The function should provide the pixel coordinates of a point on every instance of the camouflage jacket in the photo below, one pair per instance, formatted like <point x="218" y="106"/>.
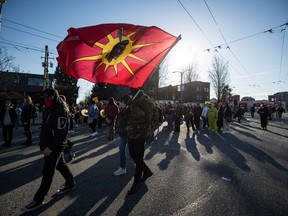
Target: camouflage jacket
<point x="139" y="117"/>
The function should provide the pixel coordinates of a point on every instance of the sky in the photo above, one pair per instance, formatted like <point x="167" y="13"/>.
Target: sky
<point x="257" y="58"/>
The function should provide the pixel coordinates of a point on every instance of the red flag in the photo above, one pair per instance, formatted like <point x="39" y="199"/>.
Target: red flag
<point x="120" y="54"/>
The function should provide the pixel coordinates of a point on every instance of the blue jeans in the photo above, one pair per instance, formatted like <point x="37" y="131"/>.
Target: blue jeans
<point x="122" y="146"/>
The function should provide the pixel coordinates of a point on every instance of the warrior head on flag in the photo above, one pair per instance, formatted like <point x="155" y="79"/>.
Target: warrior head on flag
<point x="119" y="54"/>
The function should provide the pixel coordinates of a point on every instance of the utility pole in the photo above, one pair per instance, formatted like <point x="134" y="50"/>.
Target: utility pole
<point x="45" y="64"/>
<point x="1" y="5"/>
<point x="181" y="86"/>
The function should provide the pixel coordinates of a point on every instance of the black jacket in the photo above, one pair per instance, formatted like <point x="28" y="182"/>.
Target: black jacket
<point x="12" y="114"/>
<point x="27" y="113"/>
<point x="55" y="125"/>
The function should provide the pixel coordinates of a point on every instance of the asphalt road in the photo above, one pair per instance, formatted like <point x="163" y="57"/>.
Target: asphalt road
<point x="242" y="173"/>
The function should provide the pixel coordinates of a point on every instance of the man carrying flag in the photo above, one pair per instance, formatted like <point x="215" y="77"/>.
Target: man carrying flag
<point x="124" y="55"/>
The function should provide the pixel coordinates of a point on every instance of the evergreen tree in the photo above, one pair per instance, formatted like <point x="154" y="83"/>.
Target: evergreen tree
<point x="66" y="85"/>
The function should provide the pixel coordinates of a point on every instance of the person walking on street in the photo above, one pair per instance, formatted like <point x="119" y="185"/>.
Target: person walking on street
<point x="93" y="113"/>
<point x="220" y="117"/>
<point x="189" y="117"/>
<point x="204" y="116"/>
<point x="53" y="140"/>
<point x="18" y="112"/>
<point x="169" y="111"/>
<point x="121" y="130"/>
<point x="212" y="115"/>
<point x="264" y="114"/>
<point x="26" y="118"/>
<point x="8" y="118"/>
<point x="177" y="117"/>
<point x="280" y="110"/>
<point x="72" y="114"/>
<point x="140" y="117"/>
<point x="197" y="115"/>
<point x="252" y="110"/>
<point x="227" y="118"/>
<point x="111" y="111"/>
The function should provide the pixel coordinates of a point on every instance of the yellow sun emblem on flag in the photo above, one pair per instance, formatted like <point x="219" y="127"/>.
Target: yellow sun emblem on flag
<point x="116" y="51"/>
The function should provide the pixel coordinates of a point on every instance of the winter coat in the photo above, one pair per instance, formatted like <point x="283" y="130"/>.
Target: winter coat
<point x="54" y="129"/>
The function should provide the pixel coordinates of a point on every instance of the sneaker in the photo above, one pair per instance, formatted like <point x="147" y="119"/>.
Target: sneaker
<point x="135" y="187"/>
<point x="65" y="189"/>
<point x="71" y="131"/>
<point x="147" y="175"/>
<point x="32" y="205"/>
<point x="120" y="171"/>
<point x="94" y="134"/>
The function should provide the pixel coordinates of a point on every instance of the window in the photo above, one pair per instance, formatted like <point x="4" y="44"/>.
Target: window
<point x="35" y="82"/>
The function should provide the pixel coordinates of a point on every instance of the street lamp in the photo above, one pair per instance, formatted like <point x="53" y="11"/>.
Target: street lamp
<point x="181" y="90"/>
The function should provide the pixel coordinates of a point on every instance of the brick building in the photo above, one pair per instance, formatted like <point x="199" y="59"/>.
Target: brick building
<point x="195" y="91"/>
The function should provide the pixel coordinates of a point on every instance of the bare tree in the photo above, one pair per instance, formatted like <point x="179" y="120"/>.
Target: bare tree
<point x="219" y="76"/>
<point x="6" y="60"/>
<point x="191" y="73"/>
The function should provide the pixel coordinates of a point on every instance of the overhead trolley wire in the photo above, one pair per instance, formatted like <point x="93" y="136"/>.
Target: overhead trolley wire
<point x="195" y="23"/>
<point x="208" y="38"/>
<point x="253" y="35"/>
<point x="227" y="47"/>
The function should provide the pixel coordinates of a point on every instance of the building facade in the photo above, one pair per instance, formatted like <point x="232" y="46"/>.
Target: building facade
<point x="281" y="97"/>
<point x="23" y="84"/>
<point x="194" y="92"/>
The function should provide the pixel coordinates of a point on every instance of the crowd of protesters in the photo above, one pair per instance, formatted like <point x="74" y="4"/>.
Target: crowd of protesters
<point x="196" y="116"/>
<point x="125" y="118"/>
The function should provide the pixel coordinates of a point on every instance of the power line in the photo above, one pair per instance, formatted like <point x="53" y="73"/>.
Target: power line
<point x="32" y="28"/>
<point x="30" y="33"/>
<point x="15" y="44"/>
<point x="216" y="22"/>
<point x="19" y="50"/>
<point x="21" y="45"/>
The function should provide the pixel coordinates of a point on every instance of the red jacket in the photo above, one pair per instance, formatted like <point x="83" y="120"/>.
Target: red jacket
<point x="111" y="110"/>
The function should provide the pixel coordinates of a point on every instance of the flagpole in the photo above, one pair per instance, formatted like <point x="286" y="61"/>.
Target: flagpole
<point x="136" y="95"/>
